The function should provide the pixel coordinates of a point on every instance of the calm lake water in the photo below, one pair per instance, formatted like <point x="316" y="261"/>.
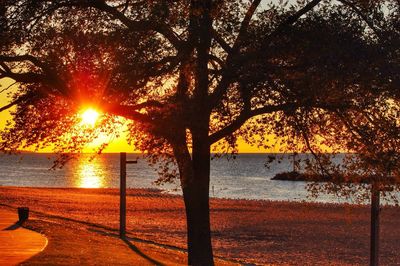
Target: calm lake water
<point x="245" y="177"/>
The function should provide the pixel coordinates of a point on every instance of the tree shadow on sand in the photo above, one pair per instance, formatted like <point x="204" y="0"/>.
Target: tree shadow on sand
<point x="140" y="253"/>
<point x="14" y="226"/>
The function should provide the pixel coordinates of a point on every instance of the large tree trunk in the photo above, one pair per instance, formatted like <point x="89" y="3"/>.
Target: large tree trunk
<point x="196" y="197"/>
<point x="195" y="182"/>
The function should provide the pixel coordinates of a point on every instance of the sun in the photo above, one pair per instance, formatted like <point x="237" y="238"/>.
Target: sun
<point x="89" y="117"/>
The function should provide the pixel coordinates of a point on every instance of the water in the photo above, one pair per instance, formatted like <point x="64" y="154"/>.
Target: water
<point x="245" y="177"/>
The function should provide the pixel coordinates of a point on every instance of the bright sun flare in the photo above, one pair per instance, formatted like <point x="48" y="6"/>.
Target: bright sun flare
<point x="89" y="117"/>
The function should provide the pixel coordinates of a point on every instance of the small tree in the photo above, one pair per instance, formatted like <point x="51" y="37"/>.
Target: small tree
<point x="192" y="74"/>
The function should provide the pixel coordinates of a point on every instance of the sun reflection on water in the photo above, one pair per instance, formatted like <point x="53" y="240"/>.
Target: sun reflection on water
<point x="90" y="174"/>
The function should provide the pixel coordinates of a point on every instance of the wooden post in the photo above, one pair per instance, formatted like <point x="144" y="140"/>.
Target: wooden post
<point x="375" y="210"/>
<point x="122" y="196"/>
<point x="23" y="214"/>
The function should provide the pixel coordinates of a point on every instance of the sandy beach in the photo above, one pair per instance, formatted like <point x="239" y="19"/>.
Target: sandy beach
<point x="246" y="232"/>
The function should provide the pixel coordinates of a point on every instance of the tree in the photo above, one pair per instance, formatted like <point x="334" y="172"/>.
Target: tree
<point x="190" y="74"/>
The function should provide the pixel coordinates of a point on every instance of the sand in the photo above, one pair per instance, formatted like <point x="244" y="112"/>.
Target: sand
<point x="248" y="232"/>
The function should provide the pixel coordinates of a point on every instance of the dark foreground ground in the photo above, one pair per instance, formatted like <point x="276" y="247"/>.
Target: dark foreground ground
<point x="248" y="232"/>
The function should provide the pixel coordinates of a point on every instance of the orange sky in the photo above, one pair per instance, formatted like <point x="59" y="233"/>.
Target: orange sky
<point x="117" y="145"/>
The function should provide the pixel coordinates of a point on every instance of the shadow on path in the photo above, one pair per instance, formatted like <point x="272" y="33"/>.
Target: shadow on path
<point x="14" y="226"/>
<point x="136" y="239"/>
<point x="140" y="253"/>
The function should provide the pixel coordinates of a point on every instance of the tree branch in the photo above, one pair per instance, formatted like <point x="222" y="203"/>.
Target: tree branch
<point x="360" y="14"/>
<point x="5" y="67"/>
<point x="245" y="24"/>
<point x="292" y="19"/>
<point x="9" y="86"/>
<point x="24" y="77"/>
<point x="21" y="58"/>
<point x="143" y="25"/>
<point x="19" y="100"/>
<point x="233" y="59"/>
<point x="243" y="117"/>
<point x="129" y="112"/>
<point x="8" y="106"/>
<point x="150" y="103"/>
<point x="316" y="157"/>
<point x="221" y="41"/>
<point x="48" y="77"/>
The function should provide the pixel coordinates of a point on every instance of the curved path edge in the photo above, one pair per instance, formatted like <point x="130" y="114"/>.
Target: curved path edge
<point x="17" y="243"/>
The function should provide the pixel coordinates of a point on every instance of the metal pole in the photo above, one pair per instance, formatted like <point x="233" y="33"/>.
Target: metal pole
<point x="122" y="196"/>
<point x="375" y="202"/>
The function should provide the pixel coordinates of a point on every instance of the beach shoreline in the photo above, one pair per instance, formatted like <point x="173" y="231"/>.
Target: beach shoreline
<point x="248" y="231"/>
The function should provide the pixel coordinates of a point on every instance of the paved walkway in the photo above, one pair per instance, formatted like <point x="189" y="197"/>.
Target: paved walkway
<point x="17" y="244"/>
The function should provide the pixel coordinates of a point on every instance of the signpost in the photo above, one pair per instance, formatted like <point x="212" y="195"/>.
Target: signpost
<point x="122" y="194"/>
<point x="375" y="210"/>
